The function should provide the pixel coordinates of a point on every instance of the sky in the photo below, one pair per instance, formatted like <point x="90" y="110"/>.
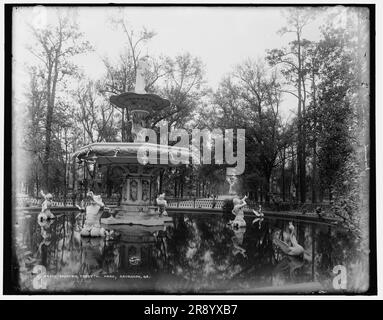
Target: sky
<point x="221" y="37"/>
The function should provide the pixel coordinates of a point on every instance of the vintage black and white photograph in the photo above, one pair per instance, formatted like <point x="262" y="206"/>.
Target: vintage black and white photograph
<point x="191" y="149"/>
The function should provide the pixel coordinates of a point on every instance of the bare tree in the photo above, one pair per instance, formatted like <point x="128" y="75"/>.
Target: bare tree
<point x="95" y="114"/>
<point x="183" y="85"/>
<point x="293" y="64"/>
<point x="55" y="45"/>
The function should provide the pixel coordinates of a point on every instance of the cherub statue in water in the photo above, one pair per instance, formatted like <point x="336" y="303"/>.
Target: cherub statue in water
<point x="162" y="204"/>
<point x="45" y="208"/>
<point x="291" y="247"/>
<point x="239" y="204"/>
<point x="93" y="211"/>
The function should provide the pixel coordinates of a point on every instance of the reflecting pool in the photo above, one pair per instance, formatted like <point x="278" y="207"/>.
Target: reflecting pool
<point x="196" y="253"/>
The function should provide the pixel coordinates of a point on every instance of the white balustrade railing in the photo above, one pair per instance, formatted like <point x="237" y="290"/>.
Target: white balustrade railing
<point x="177" y="203"/>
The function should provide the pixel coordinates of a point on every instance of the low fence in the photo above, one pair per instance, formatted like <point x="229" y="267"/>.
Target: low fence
<point x="195" y="203"/>
<point x="59" y="201"/>
<point x="251" y="204"/>
<point x="182" y="203"/>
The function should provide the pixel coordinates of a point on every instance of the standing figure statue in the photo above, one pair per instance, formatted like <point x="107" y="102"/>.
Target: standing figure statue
<point x="138" y="118"/>
<point x="142" y="68"/>
<point x="162" y="204"/>
<point x="232" y="180"/>
<point x="45" y="208"/>
<point x="239" y="220"/>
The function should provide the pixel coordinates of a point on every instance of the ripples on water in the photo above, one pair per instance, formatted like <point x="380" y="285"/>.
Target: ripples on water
<point x="194" y="254"/>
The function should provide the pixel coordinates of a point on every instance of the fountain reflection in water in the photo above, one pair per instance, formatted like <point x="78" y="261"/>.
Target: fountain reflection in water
<point x="197" y="253"/>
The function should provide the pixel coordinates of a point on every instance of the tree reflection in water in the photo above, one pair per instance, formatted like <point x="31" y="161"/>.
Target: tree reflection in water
<point x="196" y="253"/>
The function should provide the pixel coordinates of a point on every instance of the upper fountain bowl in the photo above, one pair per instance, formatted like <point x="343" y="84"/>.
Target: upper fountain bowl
<point x="135" y="101"/>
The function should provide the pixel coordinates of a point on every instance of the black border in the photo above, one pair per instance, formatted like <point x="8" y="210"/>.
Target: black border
<point x="373" y="289"/>
<point x="8" y="275"/>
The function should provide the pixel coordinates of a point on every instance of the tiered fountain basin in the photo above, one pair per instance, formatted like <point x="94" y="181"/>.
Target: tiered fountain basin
<point x="148" y="102"/>
<point x="139" y="179"/>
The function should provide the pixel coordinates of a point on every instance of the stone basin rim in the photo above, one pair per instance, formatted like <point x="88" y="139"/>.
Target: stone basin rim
<point x="127" y="147"/>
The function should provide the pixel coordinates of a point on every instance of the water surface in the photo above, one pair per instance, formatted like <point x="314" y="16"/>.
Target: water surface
<point x="193" y="254"/>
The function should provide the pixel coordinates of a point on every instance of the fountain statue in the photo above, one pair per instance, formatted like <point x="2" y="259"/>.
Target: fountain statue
<point x="133" y="172"/>
<point x="162" y="203"/>
<point x="291" y="247"/>
<point x="142" y="68"/>
<point x="92" y="227"/>
<point x="232" y="180"/>
<point x="45" y="208"/>
<point x="139" y="115"/>
<point x="239" y="204"/>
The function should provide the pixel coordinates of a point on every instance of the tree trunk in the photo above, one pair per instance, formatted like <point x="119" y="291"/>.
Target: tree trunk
<point x="283" y="175"/>
<point x="314" y="164"/>
<point x="182" y="187"/>
<point x="48" y="126"/>
<point x="301" y="148"/>
<point x="292" y="178"/>
<point x="52" y="83"/>
<point x="37" y="184"/>
<point x="314" y="184"/>
<point x="161" y="180"/>
<point x="267" y="191"/>
<point x="74" y="178"/>
<point x="66" y="169"/>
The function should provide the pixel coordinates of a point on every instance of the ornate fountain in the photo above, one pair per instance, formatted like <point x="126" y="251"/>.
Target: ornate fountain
<point x="139" y="177"/>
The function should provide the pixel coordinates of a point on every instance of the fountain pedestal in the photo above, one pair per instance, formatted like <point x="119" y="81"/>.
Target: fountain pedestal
<point x="138" y="204"/>
<point x="140" y="182"/>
